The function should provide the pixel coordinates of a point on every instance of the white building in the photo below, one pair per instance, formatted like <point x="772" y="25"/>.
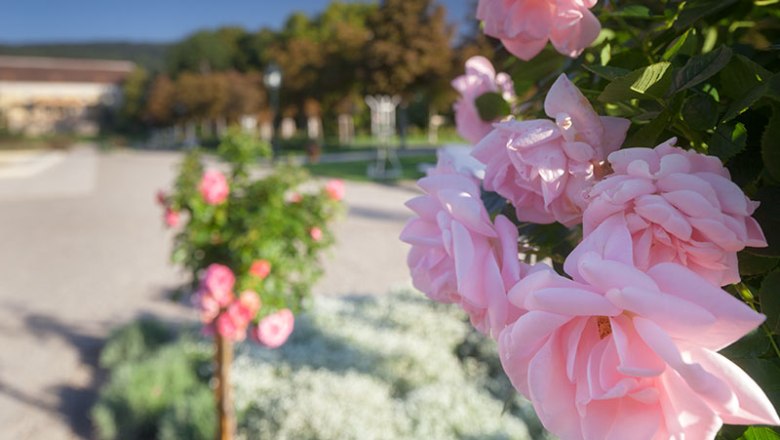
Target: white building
<point x="54" y="95"/>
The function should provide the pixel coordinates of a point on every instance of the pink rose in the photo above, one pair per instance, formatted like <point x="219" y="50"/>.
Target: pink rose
<point x="524" y="26"/>
<point x="480" y="78"/>
<point x="232" y="323"/>
<point x="621" y="353"/>
<point x="335" y="189"/>
<point x="315" y="233"/>
<point x="248" y="304"/>
<point x="172" y="217"/>
<point x="680" y="206"/>
<point x="274" y="329"/>
<point x="457" y="254"/>
<point x="545" y="168"/>
<point x="260" y="269"/>
<point x="214" y="187"/>
<point x="219" y="281"/>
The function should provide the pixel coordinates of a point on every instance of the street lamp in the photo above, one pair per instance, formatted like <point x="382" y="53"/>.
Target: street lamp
<point x="272" y="78"/>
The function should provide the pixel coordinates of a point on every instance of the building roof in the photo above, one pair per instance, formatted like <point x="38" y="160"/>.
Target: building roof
<point x="44" y="69"/>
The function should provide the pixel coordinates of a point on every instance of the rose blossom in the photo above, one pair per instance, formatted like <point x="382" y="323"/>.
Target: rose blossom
<point x="524" y="26"/>
<point x="315" y="233"/>
<point x="335" y="189"/>
<point x="219" y="281"/>
<point x="480" y="78"/>
<point x="545" y="168"/>
<point x="260" y="269"/>
<point x="172" y="217"/>
<point x="457" y="253"/>
<point x="680" y="206"/>
<point x="214" y="187"/>
<point x="623" y="353"/>
<point x="274" y="329"/>
<point x="233" y="321"/>
<point x="248" y="303"/>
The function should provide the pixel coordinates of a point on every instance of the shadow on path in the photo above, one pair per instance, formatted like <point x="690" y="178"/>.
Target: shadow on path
<point x="73" y="402"/>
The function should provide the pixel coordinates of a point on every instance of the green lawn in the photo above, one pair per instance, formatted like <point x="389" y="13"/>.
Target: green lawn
<point x="358" y="170"/>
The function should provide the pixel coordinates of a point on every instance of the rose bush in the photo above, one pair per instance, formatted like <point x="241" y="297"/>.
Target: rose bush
<point x="658" y="316"/>
<point x="252" y="251"/>
<point x="251" y="248"/>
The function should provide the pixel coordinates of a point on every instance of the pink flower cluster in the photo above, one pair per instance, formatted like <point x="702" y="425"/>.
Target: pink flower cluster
<point x="480" y="78"/>
<point x="681" y="207"/>
<point x="230" y="317"/>
<point x="525" y="26"/>
<point x="627" y="345"/>
<point x="458" y="254"/>
<point x="621" y="352"/>
<point x="545" y="168"/>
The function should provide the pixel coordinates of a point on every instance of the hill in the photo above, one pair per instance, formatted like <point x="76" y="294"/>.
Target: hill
<point x="148" y="55"/>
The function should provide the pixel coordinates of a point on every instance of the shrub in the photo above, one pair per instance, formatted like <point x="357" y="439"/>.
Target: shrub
<point x="390" y="367"/>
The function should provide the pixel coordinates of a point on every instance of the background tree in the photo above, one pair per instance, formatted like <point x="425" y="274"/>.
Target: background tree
<point x="205" y="51"/>
<point x="134" y="97"/>
<point x="410" y="48"/>
<point x="159" y="104"/>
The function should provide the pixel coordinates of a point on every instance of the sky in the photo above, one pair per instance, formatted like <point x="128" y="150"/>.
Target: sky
<point x="36" y="21"/>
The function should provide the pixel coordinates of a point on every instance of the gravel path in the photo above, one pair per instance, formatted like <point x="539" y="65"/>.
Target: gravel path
<point x="84" y="250"/>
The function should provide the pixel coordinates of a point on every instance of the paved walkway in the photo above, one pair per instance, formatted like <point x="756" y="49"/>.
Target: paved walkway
<point x="84" y="250"/>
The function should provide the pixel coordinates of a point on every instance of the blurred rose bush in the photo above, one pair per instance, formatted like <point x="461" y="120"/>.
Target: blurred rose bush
<point x="249" y="240"/>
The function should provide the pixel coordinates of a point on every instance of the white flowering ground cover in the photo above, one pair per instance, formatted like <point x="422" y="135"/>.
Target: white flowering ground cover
<point x="390" y="367"/>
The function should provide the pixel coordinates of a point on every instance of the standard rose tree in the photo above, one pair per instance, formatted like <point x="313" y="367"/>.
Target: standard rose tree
<point x="617" y="232"/>
<point x="251" y="247"/>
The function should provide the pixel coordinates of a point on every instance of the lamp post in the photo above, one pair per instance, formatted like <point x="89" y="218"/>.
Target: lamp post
<point x="272" y="78"/>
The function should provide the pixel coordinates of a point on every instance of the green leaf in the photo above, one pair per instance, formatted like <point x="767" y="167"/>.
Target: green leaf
<point x="649" y="82"/>
<point x="547" y="63"/>
<point x="768" y="216"/>
<point x="700" y="112"/>
<point x="700" y="68"/>
<point x="752" y="345"/>
<point x="633" y="11"/>
<point x="647" y="135"/>
<point x="760" y="433"/>
<point x="769" y="296"/>
<point x="769" y="88"/>
<point x="740" y="76"/>
<point x="651" y="77"/>
<point x="750" y="265"/>
<point x="684" y="44"/>
<point x="695" y="10"/>
<point x="770" y="145"/>
<point x="728" y="140"/>
<point x="608" y="72"/>
<point x="492" y="106"/>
